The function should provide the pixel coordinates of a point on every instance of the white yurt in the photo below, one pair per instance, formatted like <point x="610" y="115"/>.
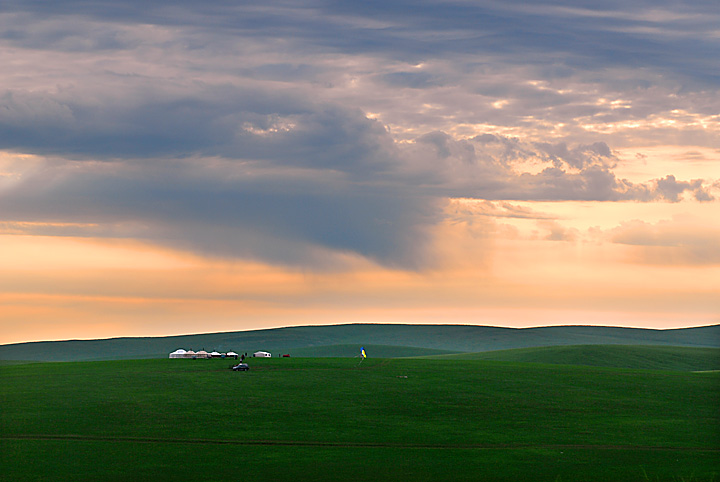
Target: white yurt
<point x="231" y="354"/>
<point x="202" y="354"/>
<point x="179" y="353"/>
<point x="190" y="354"/>
<point x="215" y="354"/>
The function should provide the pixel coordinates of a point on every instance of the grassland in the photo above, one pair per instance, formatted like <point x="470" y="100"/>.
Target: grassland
<point x="616" y="356"/>
<point x="378" y="351"/>
<point x="310" y="339"/>
<point x="329" y="419"/>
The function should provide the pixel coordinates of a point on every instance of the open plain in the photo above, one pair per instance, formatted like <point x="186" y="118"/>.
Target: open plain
<point x="334" y="419"/>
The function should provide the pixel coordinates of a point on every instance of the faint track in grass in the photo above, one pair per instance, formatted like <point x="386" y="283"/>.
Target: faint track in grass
<point x="295" y="443"/>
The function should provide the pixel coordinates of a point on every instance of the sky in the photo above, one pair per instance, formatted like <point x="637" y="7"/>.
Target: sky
<point x="190" y="167"/>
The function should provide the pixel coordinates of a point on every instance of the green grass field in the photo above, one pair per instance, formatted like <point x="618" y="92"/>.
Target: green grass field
<point x="392" y="341"/>
<point x="329" y="419"/>
<point x="616" y="356"/>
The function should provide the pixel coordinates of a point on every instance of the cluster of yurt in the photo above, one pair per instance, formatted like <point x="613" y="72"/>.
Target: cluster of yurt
<point x="180" y="353"/>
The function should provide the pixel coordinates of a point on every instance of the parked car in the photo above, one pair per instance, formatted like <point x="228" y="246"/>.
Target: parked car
<point x="241" y="367"/>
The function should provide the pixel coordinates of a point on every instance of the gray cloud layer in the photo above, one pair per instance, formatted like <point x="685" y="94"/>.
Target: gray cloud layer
<point x="243" y="130"/>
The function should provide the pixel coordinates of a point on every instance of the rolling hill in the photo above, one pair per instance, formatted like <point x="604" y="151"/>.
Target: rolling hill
<point x="316" y="340"/>
<point x="613" y="356"/>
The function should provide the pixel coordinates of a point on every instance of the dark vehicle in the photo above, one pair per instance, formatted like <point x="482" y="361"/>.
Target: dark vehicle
<point x="241" y="367"/>
<point x="286" y="356"/>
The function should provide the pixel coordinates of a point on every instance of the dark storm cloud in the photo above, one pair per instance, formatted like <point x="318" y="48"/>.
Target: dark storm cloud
<point x="232" y="211"/>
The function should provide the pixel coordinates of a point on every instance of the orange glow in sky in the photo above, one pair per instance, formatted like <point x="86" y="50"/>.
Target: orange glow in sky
<point x="207" y="168"/>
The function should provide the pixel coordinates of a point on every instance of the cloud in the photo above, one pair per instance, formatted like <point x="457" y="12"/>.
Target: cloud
<point x="671" y="189"/>
<point x="495" y="167"/>
<point x="469" y="208"/>
<point x="681" y="240"/>
<point x="235" y="123"/>
<point x="582" y="75"/>
<point x="557" y="232"/>
<point x="413" y="80"/>
<point x="226" y="210"/>
<point x="295" y="203"/>
<point x="294" y="133"/>
<point x="579" y="157"/>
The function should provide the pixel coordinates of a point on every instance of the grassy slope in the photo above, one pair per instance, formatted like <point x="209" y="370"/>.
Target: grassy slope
<point x="374" y="351"/>
<point x="618" y="356"/>
<point x="457" y="420"/>
<point x="455" y="338"/>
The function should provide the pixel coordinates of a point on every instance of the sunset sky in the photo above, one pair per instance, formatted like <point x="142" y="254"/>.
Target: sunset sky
<point x="202" y="166"/>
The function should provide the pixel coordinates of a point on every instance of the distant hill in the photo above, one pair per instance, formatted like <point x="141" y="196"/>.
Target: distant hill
<point x="375" y="351"/>
<point x="310" y="339"/>
<point x="613" y="356"/>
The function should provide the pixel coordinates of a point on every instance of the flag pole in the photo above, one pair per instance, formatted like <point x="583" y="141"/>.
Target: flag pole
<point x="362" y="355"/>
